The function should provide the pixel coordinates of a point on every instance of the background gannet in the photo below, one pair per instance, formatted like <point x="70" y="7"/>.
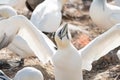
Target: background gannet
<point x="27" y="73"/>
<point x="17" y="4"/>
<point x="37" y="41"/>
<point x="66" y="61"/>
<point x="103" y="14"/>
<point x="47" y="15"/>
<point x="22" y="50"/>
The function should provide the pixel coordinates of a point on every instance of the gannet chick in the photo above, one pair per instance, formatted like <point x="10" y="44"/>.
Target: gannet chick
<point x="66" y="61"/>
<point x="103" y="14"/>
<point x="3" y="76"/>
<point x="29" y="73"/>
<point x="17" y="4"/>
<point x="47" y="16"/>
<point x="40" y="44"/>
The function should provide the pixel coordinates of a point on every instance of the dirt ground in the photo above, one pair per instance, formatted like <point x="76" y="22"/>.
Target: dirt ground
<point x="106" y="68"/>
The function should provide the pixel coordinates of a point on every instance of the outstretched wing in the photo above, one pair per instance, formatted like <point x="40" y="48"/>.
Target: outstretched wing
<point x="100" y="46"/>
<point x="36" y="41"/>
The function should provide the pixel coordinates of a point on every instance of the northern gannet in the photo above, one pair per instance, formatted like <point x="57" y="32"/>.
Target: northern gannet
<point x="40" y="44"/>
<point x="103" y="14"/>
<point x="47" y="16"/>
<point x="27" y="73"/>
<point x="23" y="50"/>
<point x="67" y="61"/>
<point x="17" y="4"/>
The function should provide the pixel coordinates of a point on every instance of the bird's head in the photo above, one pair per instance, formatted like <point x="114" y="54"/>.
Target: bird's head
<point x="62" y="36"/>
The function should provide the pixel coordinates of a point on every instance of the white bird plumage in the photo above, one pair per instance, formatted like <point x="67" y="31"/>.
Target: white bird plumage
<point x="27" y="73"/>
<point x="103" y="14"/>
<point x="7" y="11"/>
<point x="47" y="15"/>
<point x="17" y="4"/>
<point x="66" y="61"/>
<point x="41" y="45"/>
<point x="15" y="46"/>
<point x="75" y="60"/>
<point x="100" y="46"/>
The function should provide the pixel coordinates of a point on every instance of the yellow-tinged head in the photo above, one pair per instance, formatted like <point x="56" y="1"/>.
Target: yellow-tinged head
<point x="62" y="37"/>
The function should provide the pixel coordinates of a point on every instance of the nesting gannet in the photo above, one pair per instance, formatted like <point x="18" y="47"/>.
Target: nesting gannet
<point x="67" y="61"/>
<point x="103" y="14"/>
<point x="40" y="44"/>
<point x="27" y="73"/>
<point x="47" y="15"/>
<point x="17" y="4"/>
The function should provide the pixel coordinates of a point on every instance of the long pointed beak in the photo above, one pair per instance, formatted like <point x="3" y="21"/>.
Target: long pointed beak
<point x="64" y="31"/>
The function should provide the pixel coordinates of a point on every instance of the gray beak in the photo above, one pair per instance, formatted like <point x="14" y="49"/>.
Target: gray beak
<point x="63" y="32"/>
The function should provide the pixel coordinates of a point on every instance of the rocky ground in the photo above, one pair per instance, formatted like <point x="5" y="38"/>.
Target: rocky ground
<point x="106" y="68"/>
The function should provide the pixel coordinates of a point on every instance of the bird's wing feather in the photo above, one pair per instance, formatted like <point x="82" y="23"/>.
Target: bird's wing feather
<point x="20" y="47"/>
<point x="37" y="13"/>
<point x="100" y="46"/>
<point x="36" y="41"/>
<point x="31" y="35"/>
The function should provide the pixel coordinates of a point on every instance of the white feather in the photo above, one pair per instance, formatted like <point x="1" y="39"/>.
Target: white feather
<point x="47" y="15"/>
<point x="35" y="39"/>
<point x="66" y="60"/>
<point x="103" y="14"/>
<point x="26" y="73"/>
<point x="29" y="73"/>
<point x="17" y="4"/>
<point x="100" y="46"/>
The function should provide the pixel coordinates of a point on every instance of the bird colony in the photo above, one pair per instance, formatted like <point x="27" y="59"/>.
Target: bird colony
<point x="28" y="37"/>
